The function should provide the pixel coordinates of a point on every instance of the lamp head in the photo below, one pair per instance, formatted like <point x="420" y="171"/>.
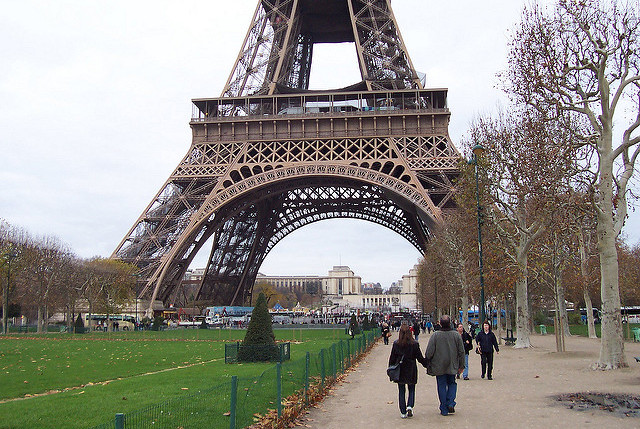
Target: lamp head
<point x="478" y="150"/>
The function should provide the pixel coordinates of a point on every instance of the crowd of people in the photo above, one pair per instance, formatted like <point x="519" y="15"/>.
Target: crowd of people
<point x="446" y="358"/>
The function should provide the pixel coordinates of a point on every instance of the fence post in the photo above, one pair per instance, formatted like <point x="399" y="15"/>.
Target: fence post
<point x="341" y="357"/>
<point x="234" y="400"/>
<point x="322" y="365"/>
<point x="306" y="380"/>
<point x="119" y="421"/>
<point x="348" y="353"/>
<point x="279" y="387"/>
<point x="333" y="360"/>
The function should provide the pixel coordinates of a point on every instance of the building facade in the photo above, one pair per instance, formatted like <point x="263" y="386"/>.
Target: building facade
<point x="342" y="290"/>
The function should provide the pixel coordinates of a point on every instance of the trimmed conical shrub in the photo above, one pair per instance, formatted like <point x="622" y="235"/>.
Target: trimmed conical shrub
<point x="78" y="325"/>
<point x="204" y="325"/>
<point x="366" y="325"/>
<point x="259" y="342"/>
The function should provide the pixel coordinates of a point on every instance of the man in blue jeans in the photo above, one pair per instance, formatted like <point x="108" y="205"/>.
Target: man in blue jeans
<point x="445" y="356"/>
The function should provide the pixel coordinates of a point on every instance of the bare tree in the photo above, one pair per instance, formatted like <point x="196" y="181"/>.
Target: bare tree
<point x="553" y="256"/>
<point x="584" y="57"/>
<point x="12" y="242"/>
<point x="46" y="261"/>
<point x="109" y="285"/>
<point x="527" y="163"/>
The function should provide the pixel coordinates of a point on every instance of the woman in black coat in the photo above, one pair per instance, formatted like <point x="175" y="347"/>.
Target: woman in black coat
<point x="487" y="342"/>
<point x="407" y="349"/>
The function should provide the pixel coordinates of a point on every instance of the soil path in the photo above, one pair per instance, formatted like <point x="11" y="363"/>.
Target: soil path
<point x="520" y="395"/>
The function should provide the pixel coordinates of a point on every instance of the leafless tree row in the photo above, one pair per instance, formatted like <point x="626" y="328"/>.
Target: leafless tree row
<point x="41" y="276"/>
<point x="556" y="179"/>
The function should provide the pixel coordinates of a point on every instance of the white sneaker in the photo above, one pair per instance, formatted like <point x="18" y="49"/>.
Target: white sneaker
<point x="409" y="412"/>
<point x="403" y="416"/>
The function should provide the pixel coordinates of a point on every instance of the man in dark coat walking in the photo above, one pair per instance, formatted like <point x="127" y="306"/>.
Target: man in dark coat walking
<point x="445" y="356"/>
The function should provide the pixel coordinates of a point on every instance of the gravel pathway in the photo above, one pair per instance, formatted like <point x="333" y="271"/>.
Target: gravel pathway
<point x="520" y="395"/>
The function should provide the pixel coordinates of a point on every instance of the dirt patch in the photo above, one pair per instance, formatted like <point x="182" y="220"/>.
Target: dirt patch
<point x="622" y="405"/>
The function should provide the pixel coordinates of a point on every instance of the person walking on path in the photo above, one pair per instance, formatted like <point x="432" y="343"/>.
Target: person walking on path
<point x="405" y="348"/>
<point x="445" y="357"/>
<point x="416" y="329"/>
<point x="467" y="341"/>
<point x="386" y="333"/>
<point x="487" y="341"/>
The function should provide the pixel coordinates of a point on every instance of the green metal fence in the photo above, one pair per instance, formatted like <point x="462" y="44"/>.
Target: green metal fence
<point x="236" y="403"/>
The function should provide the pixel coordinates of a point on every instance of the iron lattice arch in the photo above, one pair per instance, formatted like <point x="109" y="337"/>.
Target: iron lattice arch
<point x="269" y="156"/>
<point x="244" y="240"/>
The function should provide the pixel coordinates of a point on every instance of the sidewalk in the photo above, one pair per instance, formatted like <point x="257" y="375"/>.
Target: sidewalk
<point x="520" y="395"/>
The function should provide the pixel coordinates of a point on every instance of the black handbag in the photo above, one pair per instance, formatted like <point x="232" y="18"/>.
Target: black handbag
<point x="394" y="370"/>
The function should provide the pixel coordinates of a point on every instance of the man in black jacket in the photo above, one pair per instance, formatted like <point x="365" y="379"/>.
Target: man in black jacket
<point x="487" y="342"/>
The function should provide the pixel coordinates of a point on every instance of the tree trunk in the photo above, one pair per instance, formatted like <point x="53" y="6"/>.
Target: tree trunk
<point x="523" y="317"/>
<point x="585" y="286"/>
<point x="558" y="327"/>
<point x="591" y="326"/>
<point x="465" y="308"/>
<point x="45" y="322"/>
<point x="612" y="340"/>
<point x="499" y="324"/>
<point x="5" y="306"/>
<point x="562" y="307"/>
<point x="507" y="315"/>
<point x="39" y="322"/>
<point x="90" y="321"/>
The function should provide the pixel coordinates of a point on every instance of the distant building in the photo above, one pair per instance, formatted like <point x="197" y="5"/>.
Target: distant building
<point x="341" y="289"/>
<point x="343" y="293"/>
<point x="396" y="288"/>
<point x="313" y="285"/>
<point x="342" y="281"/>
<point x="371" y="289"/>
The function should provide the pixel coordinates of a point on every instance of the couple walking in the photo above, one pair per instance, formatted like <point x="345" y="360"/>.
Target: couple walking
<point x="444" y="359"/>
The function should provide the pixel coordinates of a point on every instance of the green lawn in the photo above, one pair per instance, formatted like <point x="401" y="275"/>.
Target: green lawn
<point x="104" y="372"/>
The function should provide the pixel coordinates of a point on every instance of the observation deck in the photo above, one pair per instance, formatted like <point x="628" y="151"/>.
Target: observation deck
<point x="406" y="112"/>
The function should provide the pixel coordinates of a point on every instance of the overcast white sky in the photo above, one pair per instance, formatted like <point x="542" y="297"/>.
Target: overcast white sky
<point x="95" y="108"/>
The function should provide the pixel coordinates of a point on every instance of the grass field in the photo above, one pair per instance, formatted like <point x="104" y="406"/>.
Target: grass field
<point x="91" y="377"/>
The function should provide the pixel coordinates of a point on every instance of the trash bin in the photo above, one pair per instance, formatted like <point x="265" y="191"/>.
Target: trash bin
<point x="543" y="330"/>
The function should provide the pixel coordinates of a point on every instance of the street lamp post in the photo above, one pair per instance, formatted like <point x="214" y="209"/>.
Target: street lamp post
<point x="477" y="151"/>
<point x="10" y="256"/>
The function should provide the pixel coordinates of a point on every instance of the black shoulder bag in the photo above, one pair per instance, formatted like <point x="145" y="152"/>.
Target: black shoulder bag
<point x="394" y="370"/>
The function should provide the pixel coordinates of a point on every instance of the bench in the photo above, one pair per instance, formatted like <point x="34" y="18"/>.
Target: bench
<point x="509" y="340"/>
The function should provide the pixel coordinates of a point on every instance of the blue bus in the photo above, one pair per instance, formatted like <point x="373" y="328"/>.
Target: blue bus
<point x="473" y="315"/>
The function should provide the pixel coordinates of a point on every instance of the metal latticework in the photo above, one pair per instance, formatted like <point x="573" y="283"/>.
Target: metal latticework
<point x="269" y="157"/>
<point x="277" y="51"/>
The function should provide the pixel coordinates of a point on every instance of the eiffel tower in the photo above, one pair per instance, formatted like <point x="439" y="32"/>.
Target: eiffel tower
<point x="271" y="156"/>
